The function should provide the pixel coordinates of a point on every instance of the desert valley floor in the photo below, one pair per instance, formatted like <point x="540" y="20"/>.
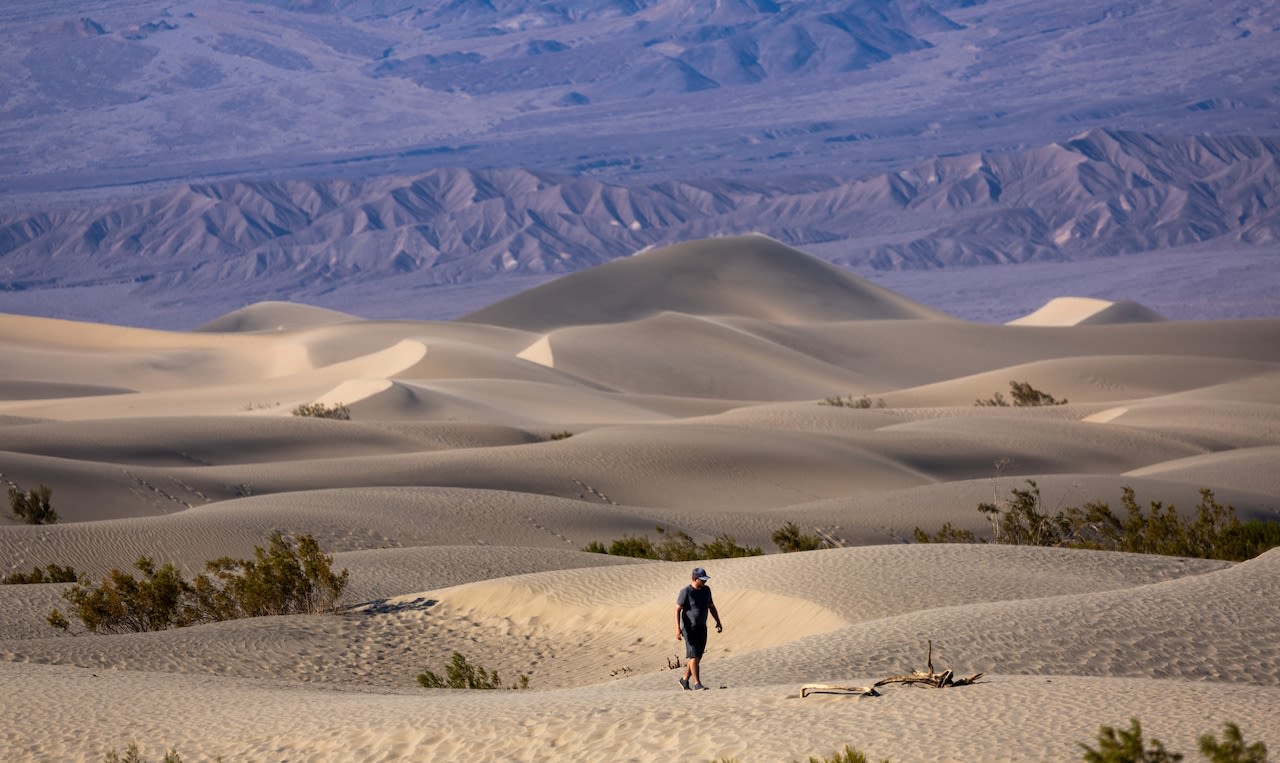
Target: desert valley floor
<point x="692" y="381"/>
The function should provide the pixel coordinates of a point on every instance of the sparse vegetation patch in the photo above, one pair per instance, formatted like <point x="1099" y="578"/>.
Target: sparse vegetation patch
<point x="789" y="538"/>
<point x="1117" y="745"/>
<point x="848" y="401"/>
<point x="460" y="674"/>
<point x="1024" y="396"/>
<point x="1213" y="533"/>
<point x="674" y="546"/>
<point x="32" y="506"/>
<point x="285" y="578"/>
<point x="133" y="755"/>
<point x="322" y="411"/>
<point x="51" y="573"/>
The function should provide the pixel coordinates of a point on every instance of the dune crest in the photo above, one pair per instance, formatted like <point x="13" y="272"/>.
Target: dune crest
<point x="539" y="352"/>
<point x="1081" y="311"/>
<point x="745" y="276"/>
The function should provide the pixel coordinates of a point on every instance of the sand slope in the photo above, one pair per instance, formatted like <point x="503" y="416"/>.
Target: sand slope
<point x="721" y="387"/>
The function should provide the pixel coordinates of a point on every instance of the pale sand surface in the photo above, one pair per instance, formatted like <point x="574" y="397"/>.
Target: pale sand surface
<point x="690" y="379"/>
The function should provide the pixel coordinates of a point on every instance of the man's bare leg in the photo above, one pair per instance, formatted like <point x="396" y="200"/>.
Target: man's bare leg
<point x="691" y="670"/>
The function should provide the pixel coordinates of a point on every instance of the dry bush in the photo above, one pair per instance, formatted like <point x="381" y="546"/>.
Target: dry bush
<point x="1213" y="532"/>
<point x="282" y="579"/>
<point x="336" y="411"/>
<point x="674" y="546"/>
<point x="1024" y="396"/>
<point x="788" y="538"/>
<point x="460" y="674"/>
<point x="32" y="506"/>
<point x="51" y="573"/>
<point x="849" y="402"/>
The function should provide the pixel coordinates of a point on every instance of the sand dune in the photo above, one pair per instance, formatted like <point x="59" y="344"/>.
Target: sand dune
<point x="747" y="276"/>
<point x="1080" y="311"/>
<point x="721" y="387"/>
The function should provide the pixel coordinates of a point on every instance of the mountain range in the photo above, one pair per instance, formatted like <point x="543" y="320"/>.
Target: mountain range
<point x="186" y="158"/>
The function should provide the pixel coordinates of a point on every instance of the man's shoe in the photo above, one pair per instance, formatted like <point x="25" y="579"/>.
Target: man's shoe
<point x="684" y="684"/>
<point x="696" y="686"/>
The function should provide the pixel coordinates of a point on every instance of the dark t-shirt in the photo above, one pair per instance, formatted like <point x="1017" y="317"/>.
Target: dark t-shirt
<point x="695" y="604"/>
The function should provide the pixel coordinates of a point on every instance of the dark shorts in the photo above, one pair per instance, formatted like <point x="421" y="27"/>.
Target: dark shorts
<point x="695" y="641"/>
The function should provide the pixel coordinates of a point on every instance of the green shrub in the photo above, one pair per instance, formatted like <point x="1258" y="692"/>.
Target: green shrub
<point x="125" y="604"/>
<point x="1127" y="746"/>
<point x="32" y="506"/>
<point x="849" y="402"/>
<point x="460" y="674"/>
<point x="1248" y="539"/>
<point x="947" y="534"/>
<point x="1232" y="749"/>
<point x="133" y="755"/>
<point x="726" y="547"/>
<point x="848" y="755"/>
<point x="788" y="538"/>
<point x="637" y="547"/>
<point x="1213" y="533"/>
<point x="322" y="411"/>
<point x="674" y="546"/>
<point x="282" y="579"/>
<point x="52" y="573"/>
<point x="1024" y="396"/>
<point x="677" y="546"/>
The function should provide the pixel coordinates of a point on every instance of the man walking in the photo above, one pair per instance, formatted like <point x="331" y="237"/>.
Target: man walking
<point x="693" y="603"/>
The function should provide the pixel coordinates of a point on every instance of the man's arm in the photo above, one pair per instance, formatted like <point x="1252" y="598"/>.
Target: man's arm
<point x="712" y="609"/>
<point x="679" y="629"/>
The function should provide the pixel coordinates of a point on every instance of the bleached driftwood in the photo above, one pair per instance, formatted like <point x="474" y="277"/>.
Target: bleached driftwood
<point x="917" y="678"/>
<point x="862" y="691"/>
<point x="929" y="678"/>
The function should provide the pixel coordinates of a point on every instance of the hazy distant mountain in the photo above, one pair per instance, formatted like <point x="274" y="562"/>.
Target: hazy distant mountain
<point x="1102" y="193"/>
<point x="182" y="152"/>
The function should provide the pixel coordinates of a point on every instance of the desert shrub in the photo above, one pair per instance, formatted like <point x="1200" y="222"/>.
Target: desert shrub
<point x="560" y="435"/>
<point x="788" y="538"/>
<point x="947" y="534"/>
<point x="1123" y="746"/>
<point x="125" y="604"/>
<point x="1213" y="532"/>
<point x="674" y="546"/>
<point x="51" y="573"/>
<point x="850" y="402"/>
<point x="32" y="506"/>
<point x="847" y="755"/>
<point x="460" y="674"/>
<point x="282" y="579"/>
<point x="322" y="411"/>
<point x="1024" y="396"/>
<point x="637" y="547"/>
<point x="133" y="755"/>
<point x="677" y="546"/>
<point x="1127" y="746"/>
<point x="726" y="547"/>
<point x="1024" y="523"/>
<point x="1248" y="539"/>
<point x="1232" y="749"/>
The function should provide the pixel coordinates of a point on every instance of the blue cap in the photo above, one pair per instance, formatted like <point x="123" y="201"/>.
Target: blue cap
<point x="700" y="573"/>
